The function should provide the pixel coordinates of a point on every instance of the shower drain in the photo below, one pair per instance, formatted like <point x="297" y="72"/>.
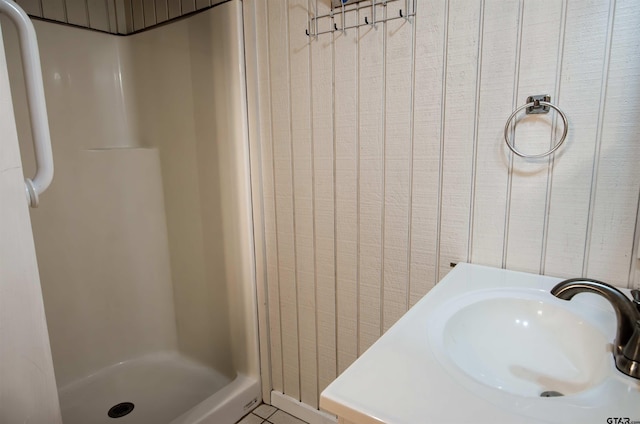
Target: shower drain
<point x="120" y="410"/>
<point x="550" y="393"/>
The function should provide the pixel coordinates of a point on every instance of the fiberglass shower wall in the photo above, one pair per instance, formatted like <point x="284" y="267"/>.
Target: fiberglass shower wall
<point x="142" y="241"/>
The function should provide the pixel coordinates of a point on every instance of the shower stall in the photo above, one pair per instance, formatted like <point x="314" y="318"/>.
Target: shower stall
<point x="144" y="240"/>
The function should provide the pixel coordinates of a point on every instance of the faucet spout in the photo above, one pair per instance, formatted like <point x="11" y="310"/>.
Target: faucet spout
<point x="626" y="349"/>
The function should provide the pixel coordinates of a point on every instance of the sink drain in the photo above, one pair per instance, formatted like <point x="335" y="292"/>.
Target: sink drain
<point x="550" y="393"/>
<point x="120" y="410"/>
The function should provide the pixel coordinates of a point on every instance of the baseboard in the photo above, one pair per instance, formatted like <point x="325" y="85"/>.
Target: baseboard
<point x="301" y="410"/>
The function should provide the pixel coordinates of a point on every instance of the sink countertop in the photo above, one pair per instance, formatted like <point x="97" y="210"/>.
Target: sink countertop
<point x="400" y="380"/>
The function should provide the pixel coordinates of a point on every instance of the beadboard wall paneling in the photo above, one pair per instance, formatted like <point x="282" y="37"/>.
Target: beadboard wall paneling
<point x="283" y="165"/>
<point x="345" y="92"/>
<point x="614" y="189"/>
<point x="398" y="140"/>
<point x="114" y="16"/>
<point x="383" y="161"/>
<point x="540" y="52"/>
<point x="300" y="73"/>
<point x="322" y="116"/>
<point x="498" y="62"/>
<point x="428" y="142"/>
<point x="371" y="131"/>
<point x="463" y="42"/>
<point x="583" y="74"/>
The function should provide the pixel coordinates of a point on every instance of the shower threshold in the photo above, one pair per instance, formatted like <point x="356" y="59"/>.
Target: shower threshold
<point x="153" y="389"/>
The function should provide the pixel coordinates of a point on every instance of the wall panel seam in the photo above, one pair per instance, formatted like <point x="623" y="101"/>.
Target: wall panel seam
<point x="313" y="207"/>
<point x="335" y="211"/>
<point x="106" y="10"/>
<point x="596" y="156"/>
<point x="383" y="163"/>
<point x="443" y="103"/>
<point x="66" y="13"/>
<point x="551" y="162"/>
<point x="411" y="160"/>
<point x="634" y="248"/>
<point x="357" y="111"/>
<point x="474" y="162"/>
<point x="257" y="158"/>
<point x="514" y="103"/>
<point x="144" y="15"/>
<point x="275" y="197"/>
<point x="86" y="12"/>
<point x="293" y="195"/>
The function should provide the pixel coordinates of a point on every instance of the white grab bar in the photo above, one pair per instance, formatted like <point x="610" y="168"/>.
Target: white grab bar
<point x="35" y="99"/>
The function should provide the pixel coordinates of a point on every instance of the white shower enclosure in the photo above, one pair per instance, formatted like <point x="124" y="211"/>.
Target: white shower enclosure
<point x="144" y="240"/>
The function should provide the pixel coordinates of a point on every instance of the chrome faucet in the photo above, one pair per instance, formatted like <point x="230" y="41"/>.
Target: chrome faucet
<point x="626" y="350"/>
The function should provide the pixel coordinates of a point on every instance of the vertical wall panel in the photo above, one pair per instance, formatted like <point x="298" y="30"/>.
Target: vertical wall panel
<point x="346" y="186"/>
<point x="123" y="19"/>
<point x="175" y="8"/>
<point x="55" y="10"/>
<point x="137" y="12"/>
<point x="188" y="6"/>
<point x="112" y="13"/>
<point x="499" y="55"/>
<point x="269" y="199"/>
<point x="77" y="12"/>
<point x="98" y="11"/>
<point x="256" y="56"/>
<point x="459" y="109"/>
<point x="397" y="167"/>
<point x="538" y="67"/>
<point x="429" y="61"/>
<point x="618" y="173"/>
<point x="370" y="113"/>
<point x="299" y="55"/>
<point x="162" y="10"/>
<point x="281" y="130"/>
<point x="582" y="72"/>
<point x="32" y="7"/>
<point x="324" y="219"/>
<point x="149" y="13"/>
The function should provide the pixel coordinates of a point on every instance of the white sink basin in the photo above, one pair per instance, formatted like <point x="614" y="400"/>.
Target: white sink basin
<point x="482" y="347"/>
<point x="522" y="343"/>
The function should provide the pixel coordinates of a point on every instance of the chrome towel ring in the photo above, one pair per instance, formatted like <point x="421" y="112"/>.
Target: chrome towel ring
<point x="536" y="104"/>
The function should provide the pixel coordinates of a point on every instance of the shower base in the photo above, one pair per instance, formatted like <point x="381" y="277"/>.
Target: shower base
<point x="161" y="386"/>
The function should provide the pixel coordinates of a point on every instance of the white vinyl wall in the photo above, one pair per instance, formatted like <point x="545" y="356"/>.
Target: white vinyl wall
<point x="382" y="161"/>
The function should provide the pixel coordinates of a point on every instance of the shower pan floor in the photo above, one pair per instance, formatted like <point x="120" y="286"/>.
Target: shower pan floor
<point x="161" y="387"/>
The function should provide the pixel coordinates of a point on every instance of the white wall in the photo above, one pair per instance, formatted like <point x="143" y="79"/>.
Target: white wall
<point x="27" y="383"/>
<point x="383" y="161"/>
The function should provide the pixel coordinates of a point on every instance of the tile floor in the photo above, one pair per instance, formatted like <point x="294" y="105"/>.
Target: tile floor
<point x="266" y="414"/>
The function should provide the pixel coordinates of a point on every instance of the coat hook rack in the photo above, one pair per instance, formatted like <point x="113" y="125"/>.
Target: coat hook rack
<point x="349" y="7"/>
